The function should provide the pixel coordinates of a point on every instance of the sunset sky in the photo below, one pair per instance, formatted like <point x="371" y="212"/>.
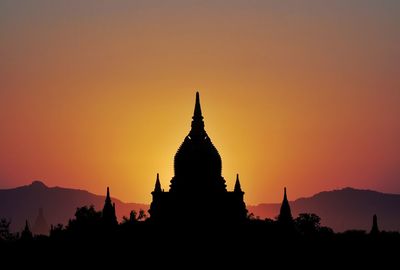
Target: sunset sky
<point x="302" y="94"/>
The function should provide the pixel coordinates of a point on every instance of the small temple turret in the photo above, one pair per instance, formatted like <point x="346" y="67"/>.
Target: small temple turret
<point x="26" y="233"/>
<point x="285" y="215"/>
<point x="237" y="188"/>
<point x="108" y="214"/>
<point x="157" y="187"/>
<point x="40" y="226"/>
<point x="375" y="228"/>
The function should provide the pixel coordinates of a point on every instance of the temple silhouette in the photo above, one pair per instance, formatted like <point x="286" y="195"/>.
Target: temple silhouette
<point x="285" y="218"/>
<point x="197" y="211"/>
<point x="197" y="192"/>
<point x="108" y="213"/>
<point x="375" y="228"/>
<point x="40" y="226"/>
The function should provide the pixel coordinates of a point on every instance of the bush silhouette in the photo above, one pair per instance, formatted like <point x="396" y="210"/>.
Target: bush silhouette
<point x="5" y="234"/>
<point x="308" y="223"/>
<point x="87" y="222"/>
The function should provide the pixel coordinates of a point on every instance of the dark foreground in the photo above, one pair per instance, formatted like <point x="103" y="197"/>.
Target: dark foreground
<point x="247" y="245"/>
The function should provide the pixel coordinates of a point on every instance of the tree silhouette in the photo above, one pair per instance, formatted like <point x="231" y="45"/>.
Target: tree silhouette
<point x="134" y="217"/>
<point x="308" y="223"/>
<point x="142" y="215"/>
<point x="5" y="234"/>
<point x="131" y="220"/>
<point x="87" y="222"/>
<point x="57" y="231"/>
<point x="251" y="216"/>
<point x="131" y="224"/>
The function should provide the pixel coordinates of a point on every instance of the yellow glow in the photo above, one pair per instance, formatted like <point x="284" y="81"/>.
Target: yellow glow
<point x="304" y="98"/>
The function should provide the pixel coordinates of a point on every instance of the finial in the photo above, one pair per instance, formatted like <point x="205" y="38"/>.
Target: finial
<point x="197" y="131"/>
<point x="108" y="192"/>
<point x="197" y="108"/>
<point x="284" y="194"/>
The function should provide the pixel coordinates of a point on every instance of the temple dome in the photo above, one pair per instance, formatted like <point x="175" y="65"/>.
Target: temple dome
<point x="197" y="163"/>
<point x="197" y="157"/>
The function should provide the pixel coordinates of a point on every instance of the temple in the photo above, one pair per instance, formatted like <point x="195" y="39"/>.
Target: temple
<point x="285" y="218"/>
<point x="198" y="192"/>
<point x="108" y="214"/>
<point x="40" y="226"/>
<point x="375" y="228"/>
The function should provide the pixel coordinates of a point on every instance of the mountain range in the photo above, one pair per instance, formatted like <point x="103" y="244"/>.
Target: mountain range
<point x="58" y="204"/>
<point x="341" y="209"/>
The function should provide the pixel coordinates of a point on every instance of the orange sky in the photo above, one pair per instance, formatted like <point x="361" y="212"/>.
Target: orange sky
<point x="300" y="94"/>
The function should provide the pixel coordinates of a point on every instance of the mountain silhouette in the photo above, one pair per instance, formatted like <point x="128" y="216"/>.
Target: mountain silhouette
<point x="58" y="204"/>
<point x="343" y="209"/>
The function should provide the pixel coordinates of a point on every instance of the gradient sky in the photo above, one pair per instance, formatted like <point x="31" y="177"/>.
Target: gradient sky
<point x="303" y="94"/>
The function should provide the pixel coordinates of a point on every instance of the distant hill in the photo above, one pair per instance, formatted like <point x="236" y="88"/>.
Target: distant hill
<point x="343" y="209"/>
<point x="58" y="204"/>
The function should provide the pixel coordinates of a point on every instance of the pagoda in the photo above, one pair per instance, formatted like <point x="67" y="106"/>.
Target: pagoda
<point x="197" y="193"/>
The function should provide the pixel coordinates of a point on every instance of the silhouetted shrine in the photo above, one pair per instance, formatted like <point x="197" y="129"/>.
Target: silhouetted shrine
<point x="375" y="228"/>
<point x="40" y="226"/>
<point x="198" y="191"/>
<point x="285" y="218"/>
<point x="108" y="213"/>
<point x="285" y="214"/>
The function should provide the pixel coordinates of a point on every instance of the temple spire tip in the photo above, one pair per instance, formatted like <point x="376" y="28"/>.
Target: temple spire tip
<point x="197" y="107"/>
<point x="237" y="188"/>
<point x="157" y="187"/>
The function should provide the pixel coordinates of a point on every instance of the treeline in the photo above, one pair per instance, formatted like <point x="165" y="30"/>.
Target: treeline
<point x="90" y="238"/>
<point x="90" y="224"/>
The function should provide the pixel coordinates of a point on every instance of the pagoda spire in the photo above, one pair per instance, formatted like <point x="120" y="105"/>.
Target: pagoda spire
<point x="285" y="214"/>
<point x="157" y="187"/>
<point x="375" y="229"/>
<point x="237" y="188"/>
<point x="197" y="130"/>
<point x="108" y="214"/>
<point x="108" y="199"/>
<point x="26" y="234"/>
<point x="284" y="194"/>
<point x="197" y="108"/>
